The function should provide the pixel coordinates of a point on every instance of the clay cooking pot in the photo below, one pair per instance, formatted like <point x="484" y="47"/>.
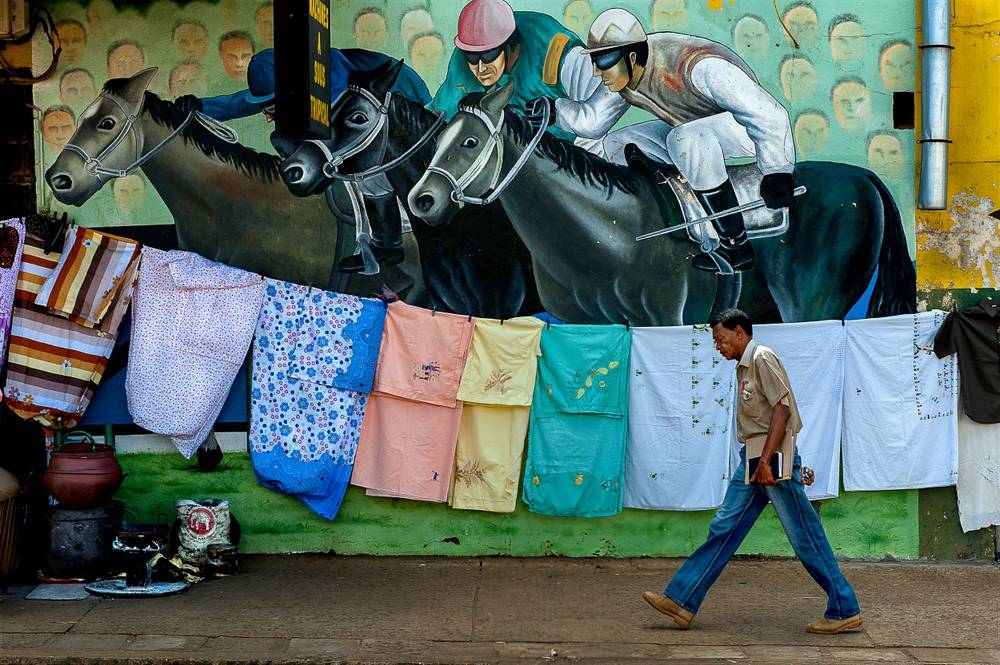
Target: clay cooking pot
<point x="83" y="475"/>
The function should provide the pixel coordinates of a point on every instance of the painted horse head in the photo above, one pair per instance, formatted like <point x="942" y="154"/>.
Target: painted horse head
<point x="469" y="158"/>
<point x="359" y="127"/>
<point x="108" y="141"/>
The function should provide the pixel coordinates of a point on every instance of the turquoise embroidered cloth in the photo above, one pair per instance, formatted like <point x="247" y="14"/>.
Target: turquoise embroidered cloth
<point x="576" y="437"/>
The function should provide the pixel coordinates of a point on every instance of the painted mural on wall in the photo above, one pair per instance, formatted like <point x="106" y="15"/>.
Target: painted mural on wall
<point x="622" y="119"/>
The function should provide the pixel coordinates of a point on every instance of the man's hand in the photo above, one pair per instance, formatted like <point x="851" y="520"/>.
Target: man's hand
<point x="187" y="103"/>
<point x="777" y="190"/>
<point x="763" y="475"/>
<point x="535" y="111"/>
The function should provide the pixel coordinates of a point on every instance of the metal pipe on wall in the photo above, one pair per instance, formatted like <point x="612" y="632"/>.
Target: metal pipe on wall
<point x="935" y="79"/>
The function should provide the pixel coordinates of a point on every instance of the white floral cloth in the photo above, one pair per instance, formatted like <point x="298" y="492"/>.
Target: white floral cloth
<point x="192" y="324"/>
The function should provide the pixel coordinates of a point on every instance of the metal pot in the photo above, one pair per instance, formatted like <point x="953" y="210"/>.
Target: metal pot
<point x="82" y="475"/>
<point x="80" y="541"/>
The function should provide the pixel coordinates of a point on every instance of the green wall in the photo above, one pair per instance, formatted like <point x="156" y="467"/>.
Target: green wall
<point x="859" y="524"/>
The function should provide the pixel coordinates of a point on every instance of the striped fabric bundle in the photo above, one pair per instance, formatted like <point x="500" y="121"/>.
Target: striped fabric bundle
<point x="88" y="275"/>
<point x="55" y="364"/>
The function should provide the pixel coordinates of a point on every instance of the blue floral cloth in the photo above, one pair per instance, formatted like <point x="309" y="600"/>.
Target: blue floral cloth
<point x="314" y="361"/>
<point x="576" y="437"/>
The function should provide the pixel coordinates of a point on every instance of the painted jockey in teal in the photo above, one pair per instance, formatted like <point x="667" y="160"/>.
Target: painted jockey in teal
<point x="496" y="45"/>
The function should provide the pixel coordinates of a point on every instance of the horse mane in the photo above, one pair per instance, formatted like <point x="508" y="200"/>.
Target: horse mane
<point x="586" y="166"/>
<point x="407" y="116"/>
<point x="255" y="164"/>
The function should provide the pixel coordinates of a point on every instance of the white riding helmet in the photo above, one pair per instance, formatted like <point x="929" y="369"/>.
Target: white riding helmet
<point x="614" y="28"/>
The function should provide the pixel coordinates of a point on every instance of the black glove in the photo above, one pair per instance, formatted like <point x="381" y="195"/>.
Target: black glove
<point x="776" y="190"/>
<point x="187" y="103"/>
<point x="535" y="111"/>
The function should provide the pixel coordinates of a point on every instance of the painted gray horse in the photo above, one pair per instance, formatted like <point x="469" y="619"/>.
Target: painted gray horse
<point x="476" y="266"/>
<point x="579" y="216"/>
<point x="227" y="200"/>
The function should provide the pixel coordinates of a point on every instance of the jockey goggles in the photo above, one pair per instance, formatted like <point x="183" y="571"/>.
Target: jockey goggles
<point x="605" y="60"/>
<point x="475" y="57"/>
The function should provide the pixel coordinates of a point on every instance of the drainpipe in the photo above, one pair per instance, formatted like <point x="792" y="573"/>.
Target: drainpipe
<point x="935" y="75"/>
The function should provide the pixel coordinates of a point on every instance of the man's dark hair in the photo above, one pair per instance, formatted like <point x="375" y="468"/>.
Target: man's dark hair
<point x="59" y="108"/>
<point x="75" y="70"/>
<point x="370" y="10"/>
<point x="188" y="21"/>
<point x="731" y="318"/>
<point x="126" y="42"/>
<point x="72" y="21"/>
<point x="237" y="34"/>
<point x="895" y="42"/>
<point x="842" y="18"/>
<point x="421" y="35"/>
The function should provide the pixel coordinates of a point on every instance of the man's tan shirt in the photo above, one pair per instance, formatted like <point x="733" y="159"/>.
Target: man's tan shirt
<point x="762" y="384"/>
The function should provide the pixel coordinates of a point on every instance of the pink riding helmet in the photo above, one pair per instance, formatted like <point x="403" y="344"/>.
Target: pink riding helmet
<point x="484" y="25"/>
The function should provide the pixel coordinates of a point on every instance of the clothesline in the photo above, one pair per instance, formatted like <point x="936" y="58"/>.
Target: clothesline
<point x="415" y="403"/>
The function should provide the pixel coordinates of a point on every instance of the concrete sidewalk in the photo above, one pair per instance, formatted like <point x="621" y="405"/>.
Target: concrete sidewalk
<point x="499" y="610"/>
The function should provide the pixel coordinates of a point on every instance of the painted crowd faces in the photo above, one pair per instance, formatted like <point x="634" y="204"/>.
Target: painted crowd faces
<point x="427" y="56"/>
<point x="750" y="36"/>
<point x="885" y="155"/>
<point x="264" y="22"/>
<point x="190" y="40"/>
<point x="812" y="133"/>
<point x="58" y="125"/>
<point x="577" y="16"/>
<point x="798" y="78"/>
<point x="802" y="21"/>
<point x="73" y="40"/>
<point x="235" y="50"/>
<point x="847" y="38"/>
<point x="414" y="22"/>
<point x="76" y="88"/>
<point x="895" y="65"/>
<point x="370" y="30"/>
<point x="125" y="58"/>
<point x="99" y="12"/>
<point x="130" y="193"/>
<point x="188" y="78"/>
<point x="668" y="15"/>
<point x="852" y="103"/>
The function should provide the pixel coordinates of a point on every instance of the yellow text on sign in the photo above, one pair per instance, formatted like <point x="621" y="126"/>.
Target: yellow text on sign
<point x="319" y="111"/>
<point x="320" y="12"/>
<point x="319" y="73"/>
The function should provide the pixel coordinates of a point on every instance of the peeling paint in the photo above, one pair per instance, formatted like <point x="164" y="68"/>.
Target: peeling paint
<point x="972" y="244"/>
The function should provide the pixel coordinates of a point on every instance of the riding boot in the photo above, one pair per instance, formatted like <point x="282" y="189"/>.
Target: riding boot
<point x="733" y="244"/>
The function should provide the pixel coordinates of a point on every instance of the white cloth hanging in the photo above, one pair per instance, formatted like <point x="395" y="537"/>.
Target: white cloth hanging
<point x="813" y="355"/>
<point x="978" y="474"/>
<point x="680" y="420"/>
<point x="900" y="405"/>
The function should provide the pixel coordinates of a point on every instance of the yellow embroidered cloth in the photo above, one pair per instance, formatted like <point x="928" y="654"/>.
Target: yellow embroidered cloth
<point x="502" y="362"/>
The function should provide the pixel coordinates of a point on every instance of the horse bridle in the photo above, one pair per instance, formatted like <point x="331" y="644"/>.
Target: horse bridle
<point x="494" y="144"/>
<point x="94" y="166"/>
<point x="334" y="160"/>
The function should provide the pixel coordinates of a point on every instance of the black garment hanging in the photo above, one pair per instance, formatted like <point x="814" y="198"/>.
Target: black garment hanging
<point x="974" y="333"/>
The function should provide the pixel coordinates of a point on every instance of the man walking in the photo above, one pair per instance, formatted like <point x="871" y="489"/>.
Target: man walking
<point x="767" y="421"/>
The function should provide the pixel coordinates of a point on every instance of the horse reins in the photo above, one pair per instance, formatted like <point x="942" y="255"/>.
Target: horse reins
<point x="93" y="165"/>
<point x="334" y="160"/>
<point x="493" y="145"/>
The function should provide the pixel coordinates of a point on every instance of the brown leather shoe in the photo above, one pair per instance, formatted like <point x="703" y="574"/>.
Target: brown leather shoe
<point x="664" y="605"/>
<point x="830" y="627"/>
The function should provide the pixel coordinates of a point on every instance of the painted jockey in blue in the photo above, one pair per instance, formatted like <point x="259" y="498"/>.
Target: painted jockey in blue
<point x="259" y="98"/>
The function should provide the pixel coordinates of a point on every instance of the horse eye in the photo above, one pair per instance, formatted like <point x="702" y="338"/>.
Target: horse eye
<point x="106" y="123"/>
<point x="358" y="119"/>
<point x="470" y="142"/>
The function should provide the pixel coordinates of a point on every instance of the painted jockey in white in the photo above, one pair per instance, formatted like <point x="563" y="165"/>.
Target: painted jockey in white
<point x="710" y="108"/>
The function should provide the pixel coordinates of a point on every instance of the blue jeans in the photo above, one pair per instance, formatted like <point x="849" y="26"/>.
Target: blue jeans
<point x="740" y="509"/>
